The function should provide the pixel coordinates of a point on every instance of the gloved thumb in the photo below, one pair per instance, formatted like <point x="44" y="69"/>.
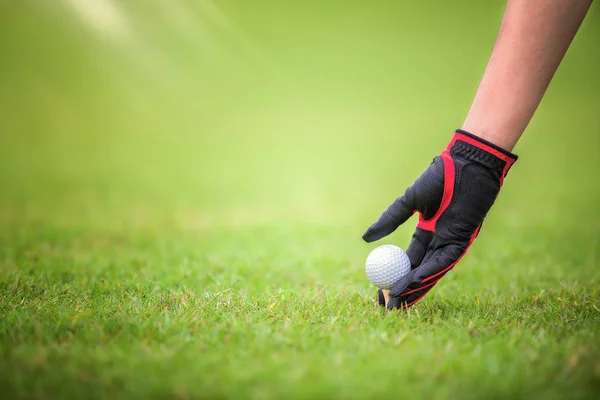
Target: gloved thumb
<point x="396" y="214"/>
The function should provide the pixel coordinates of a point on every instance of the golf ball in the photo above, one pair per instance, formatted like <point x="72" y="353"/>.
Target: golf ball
<point x="386" y="264"/>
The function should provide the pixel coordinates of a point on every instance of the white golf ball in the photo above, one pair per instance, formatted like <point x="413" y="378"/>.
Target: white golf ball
<point x="386" y="264"/>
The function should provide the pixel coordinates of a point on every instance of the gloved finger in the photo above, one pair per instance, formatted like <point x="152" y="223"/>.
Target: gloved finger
<point x="395" y="302"/>
<point x="416" y="252"/>
<point x="380" y="298"/>
<point x="401" y="284"/>
<point x="414" y="292"/>
<point x="418" y="246"/>
<point x="396" y="214"/>
<point x="442" y="260"/>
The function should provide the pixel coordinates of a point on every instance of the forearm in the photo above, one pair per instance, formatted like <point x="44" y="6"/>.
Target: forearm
<point x="533" y="39"/>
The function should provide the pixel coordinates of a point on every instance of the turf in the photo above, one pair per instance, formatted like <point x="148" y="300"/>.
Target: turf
<point x="182" y="201"/>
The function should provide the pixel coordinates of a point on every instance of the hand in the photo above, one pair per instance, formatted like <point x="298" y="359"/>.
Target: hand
<point x="452" y="198"/>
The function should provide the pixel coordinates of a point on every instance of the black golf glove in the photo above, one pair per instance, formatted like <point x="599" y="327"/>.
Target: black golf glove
<point x="452" y="198"/>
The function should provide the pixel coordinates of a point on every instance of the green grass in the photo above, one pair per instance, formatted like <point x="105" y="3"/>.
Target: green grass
<point x="181" y="209"/>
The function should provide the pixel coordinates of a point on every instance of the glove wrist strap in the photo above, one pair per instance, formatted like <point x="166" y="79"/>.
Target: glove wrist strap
<point x="474" y="148"/>
<point x="488" y="144"/>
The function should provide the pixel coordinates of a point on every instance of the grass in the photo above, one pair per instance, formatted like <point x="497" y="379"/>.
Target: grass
<point x="172" y="228"/>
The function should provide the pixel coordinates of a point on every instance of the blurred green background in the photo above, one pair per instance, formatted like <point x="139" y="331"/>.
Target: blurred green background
<point x="194" y="113"/>
<point x="161" y="149"/>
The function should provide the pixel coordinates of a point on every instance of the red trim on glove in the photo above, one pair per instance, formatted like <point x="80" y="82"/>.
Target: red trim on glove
<point x="449" y="175"/>
<point x="432" y="284"/>
<point x="448" y="268"/>
<point x="420" y="297"/>
<point x="506" y="158"/>
<point x="464" y="138"/>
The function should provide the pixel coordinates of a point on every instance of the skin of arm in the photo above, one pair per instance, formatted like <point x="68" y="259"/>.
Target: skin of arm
<point x="533" y="39"/>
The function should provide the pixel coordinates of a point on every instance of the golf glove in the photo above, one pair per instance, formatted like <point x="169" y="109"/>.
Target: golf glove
<point x="452" y="198"/>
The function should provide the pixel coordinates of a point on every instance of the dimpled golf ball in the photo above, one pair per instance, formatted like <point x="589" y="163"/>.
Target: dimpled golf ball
<point x="386" y="264"/>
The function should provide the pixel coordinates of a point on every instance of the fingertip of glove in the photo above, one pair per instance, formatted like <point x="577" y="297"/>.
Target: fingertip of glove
<point x="380" y="298"/>
<point x="374" y="233"/>
<point x="368" y="236"/>
<point x="393" y="303"/>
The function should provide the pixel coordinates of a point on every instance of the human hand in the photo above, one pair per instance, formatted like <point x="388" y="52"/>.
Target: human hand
<point x="452" y="198"/>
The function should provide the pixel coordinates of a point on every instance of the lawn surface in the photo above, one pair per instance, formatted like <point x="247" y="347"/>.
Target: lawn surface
<point x="183" y="191"/>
